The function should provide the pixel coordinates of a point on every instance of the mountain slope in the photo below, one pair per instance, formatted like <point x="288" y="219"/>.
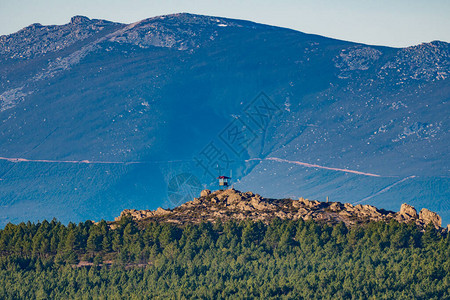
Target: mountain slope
<point x="112" y="116"/>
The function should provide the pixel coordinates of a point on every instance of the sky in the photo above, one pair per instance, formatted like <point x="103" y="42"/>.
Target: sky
<point x="396" y="23"/>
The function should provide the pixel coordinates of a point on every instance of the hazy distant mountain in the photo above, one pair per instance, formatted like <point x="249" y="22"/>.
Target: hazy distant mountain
<point x="114" y="116"/>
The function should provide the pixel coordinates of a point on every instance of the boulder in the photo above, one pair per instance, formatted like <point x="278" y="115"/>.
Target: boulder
<point x="371" y="209"/>
<point x="349" y="206"/>
<point x="161" y="212"/>
<point x="407" y="211"/>
<point x="281" y="214"/>
<point x="244" y="206"/>
<point x="427" y="216"/>
<point x="296" y="203"/>
<point x="205" y="193"/>
<point x="231" y="196"/>
<point x="366" y="211"/>
<point x="345" y="213"/>
<point x="135" y="214"/>
<point x="336" y="206"/>
<point x="258" y="204"/>
<point x="308" y="203"/>
<point x="233" y="199"/>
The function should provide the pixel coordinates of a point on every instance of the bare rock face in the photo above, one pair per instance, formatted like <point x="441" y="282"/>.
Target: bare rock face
<point x="408" y="211"/>
<point x="427" y="216"/>
<point x="205" y="193"/>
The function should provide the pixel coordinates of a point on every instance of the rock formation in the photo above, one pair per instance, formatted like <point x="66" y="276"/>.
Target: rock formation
<point x="407" y="211"/>
<point x="142" y="214"/>
<point x="427" y="217"/>
<point x="205" y="193"/>
<point x="233" y="204"/>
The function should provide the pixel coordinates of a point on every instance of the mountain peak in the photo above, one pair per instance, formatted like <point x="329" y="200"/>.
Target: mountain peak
<point x="79" y="20"/>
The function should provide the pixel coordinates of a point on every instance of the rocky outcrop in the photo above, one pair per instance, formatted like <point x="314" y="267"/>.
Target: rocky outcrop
<point x="357" y="58"/>
<point x="205" y="193"/>
<point x="408" y="214"/>
<point x="419" y="62"/>
<point x="142" y="214"/>
<point x="233" y="204"/>
<point x="36" y="39"/>
<point x="408" y="211"/>
<point x="426" y="216"/>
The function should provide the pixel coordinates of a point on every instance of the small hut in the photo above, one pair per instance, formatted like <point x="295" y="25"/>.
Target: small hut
<point x="223" y="181"/>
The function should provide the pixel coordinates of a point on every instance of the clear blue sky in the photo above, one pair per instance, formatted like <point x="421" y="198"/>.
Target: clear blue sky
<point x="381" y="22"/>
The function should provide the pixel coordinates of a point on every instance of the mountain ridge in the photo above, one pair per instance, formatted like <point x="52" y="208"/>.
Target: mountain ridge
<point x="230" y="204"/>
<point x="124" y="92"/>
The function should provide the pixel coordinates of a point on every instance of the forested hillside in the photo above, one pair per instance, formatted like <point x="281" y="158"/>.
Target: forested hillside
<point x="235" y="259"/>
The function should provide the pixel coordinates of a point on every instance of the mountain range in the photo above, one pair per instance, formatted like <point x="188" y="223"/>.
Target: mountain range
<point x="98" y="116"/>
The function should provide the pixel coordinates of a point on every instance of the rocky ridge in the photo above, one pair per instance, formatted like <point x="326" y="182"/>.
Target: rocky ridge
<point x="36" y="39"/>
<point x="232" y="204"/>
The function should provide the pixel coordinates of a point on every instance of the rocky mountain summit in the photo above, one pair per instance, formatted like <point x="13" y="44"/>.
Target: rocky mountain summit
<point x="233" y="204"/>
